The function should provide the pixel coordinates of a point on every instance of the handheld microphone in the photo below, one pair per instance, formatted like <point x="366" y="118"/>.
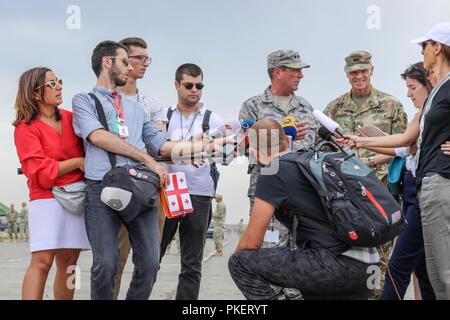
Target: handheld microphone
<point x="247" y="124"/>
<point x="325" y="134"/>
<point x="328" y="123"/>
<point x="289" y="127"/>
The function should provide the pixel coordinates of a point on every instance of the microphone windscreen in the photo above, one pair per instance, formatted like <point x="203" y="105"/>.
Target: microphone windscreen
<point x="324" y="133"/>
<point x="289" y="127"/>
<point x="326" y="121"/>
<point x="290" y="131"/>
<point x="288" y="121"/>
<point x="247" y="124"/>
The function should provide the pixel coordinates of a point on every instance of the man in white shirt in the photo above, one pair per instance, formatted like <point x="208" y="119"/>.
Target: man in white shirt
<point x="186" y="119"/>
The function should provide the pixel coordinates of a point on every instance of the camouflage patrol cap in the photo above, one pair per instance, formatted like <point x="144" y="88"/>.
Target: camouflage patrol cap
<point x="287" y="58"/>
<point x="358" y="60"/>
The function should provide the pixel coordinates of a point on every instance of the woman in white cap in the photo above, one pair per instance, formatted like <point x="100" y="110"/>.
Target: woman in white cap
<point x="433" y="166"/>
<point x="432" y="158"/>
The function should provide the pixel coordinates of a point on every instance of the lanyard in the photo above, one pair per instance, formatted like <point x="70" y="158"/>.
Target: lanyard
<point x="118" y="106"/>
<point x="190" y="128"/>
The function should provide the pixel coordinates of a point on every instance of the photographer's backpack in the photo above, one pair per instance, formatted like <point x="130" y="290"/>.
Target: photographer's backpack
<point x="360" y="209"/>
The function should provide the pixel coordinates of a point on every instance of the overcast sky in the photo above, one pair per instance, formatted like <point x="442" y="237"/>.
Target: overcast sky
<point x="229" y="39"/>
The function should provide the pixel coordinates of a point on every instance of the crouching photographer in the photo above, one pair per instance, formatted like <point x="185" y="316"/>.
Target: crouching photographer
<point x="318" y="264"/>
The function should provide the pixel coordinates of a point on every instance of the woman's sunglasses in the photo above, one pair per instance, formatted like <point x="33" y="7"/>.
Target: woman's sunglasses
<point x="52" y="84"/>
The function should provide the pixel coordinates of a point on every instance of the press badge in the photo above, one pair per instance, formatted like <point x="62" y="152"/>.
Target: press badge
<point x="123" y="130"/>
<point x="272" y="236"/>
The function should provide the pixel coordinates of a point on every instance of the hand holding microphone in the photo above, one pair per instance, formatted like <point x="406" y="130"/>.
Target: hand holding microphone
<point x="290" y="129"/>
<point x="326" y="135"/>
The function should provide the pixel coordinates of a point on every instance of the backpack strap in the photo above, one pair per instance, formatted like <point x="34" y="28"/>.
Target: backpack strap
<point x="214" y="172"/>
<point x="205" y="122"/>
<point x="102" y="119"/>
<point x="169" y="115"/>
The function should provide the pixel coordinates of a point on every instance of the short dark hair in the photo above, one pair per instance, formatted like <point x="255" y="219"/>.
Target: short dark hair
<point x="103" y="49"/>
<point x="134" y="42"/>
<point x="417" y="72"/>
<point x="189" y="69"/>
<point x="261" y="133"/>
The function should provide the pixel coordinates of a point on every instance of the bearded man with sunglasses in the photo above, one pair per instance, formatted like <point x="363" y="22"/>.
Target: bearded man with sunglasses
<point x="131" y="133"/>
<point x="186" y="120"/>
<point x="140" y="61"/>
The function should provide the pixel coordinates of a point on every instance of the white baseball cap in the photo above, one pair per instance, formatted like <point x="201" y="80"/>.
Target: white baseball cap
<point x="439" y="33"/>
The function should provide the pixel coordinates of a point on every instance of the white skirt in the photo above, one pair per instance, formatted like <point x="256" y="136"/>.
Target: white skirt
<point x="53" y="227"/>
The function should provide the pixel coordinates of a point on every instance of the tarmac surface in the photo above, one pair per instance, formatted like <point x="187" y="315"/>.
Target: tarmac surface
<point x="216" y="280"/>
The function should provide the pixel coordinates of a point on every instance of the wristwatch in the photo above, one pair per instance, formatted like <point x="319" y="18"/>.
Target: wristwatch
<point x="371" y="162"/>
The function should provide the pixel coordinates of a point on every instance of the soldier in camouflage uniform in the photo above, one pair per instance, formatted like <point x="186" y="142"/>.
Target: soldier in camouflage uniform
<point x="12" y="226"/>
<point x="240" y="229"/>
<point x="285" y="69"/>
<point x="24" y="226"/>
<point x="277" y="102"/>
<point x="219" y="220"/>
<point x="362" y="106"/>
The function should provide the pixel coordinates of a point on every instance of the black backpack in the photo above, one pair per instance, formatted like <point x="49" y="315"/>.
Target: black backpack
<point x="214" y="172"/>
<point x="361" y="211"/>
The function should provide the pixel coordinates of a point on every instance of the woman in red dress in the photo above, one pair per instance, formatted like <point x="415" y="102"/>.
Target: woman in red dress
<point x="50" y="155"/>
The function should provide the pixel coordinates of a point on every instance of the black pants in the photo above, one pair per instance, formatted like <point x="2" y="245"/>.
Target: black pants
<point x="317" y="273"/>
<point x="192" y="233"/>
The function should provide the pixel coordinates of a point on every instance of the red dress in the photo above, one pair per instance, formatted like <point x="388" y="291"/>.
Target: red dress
<point x="40" y="148"/>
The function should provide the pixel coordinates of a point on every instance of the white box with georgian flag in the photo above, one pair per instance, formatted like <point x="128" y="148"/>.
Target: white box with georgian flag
<point x="175" y="199"/>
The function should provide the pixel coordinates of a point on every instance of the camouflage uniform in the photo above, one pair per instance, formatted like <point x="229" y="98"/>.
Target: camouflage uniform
<point x="12" y="226"/>
<point x="240" y="229"/>
<point x="24" y="226"/>
<point x="380" y="109"/>
<point x="264" y="106"/>
<point x="219" y="221"/>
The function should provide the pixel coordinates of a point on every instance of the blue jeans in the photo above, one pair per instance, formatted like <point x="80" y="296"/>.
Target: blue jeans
<point x="102" y="225"/>
<point x="409" y="253"/>
<point x="192" y="233"/>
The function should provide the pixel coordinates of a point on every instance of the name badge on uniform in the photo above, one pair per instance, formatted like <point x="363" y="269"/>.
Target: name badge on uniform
<point x="123" y="130"/>
<point x="272" y="236"/>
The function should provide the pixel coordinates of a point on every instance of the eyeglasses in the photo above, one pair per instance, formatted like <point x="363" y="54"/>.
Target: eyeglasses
<point x="190" y="85"/>
<point x="125" y="61"/>
<point x="52" y="84"/>
<point x="142" y="58"/>
<point x="424" y="44"/>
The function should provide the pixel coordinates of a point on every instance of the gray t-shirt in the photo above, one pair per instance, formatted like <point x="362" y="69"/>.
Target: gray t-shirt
<point x="143" y="133"/>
